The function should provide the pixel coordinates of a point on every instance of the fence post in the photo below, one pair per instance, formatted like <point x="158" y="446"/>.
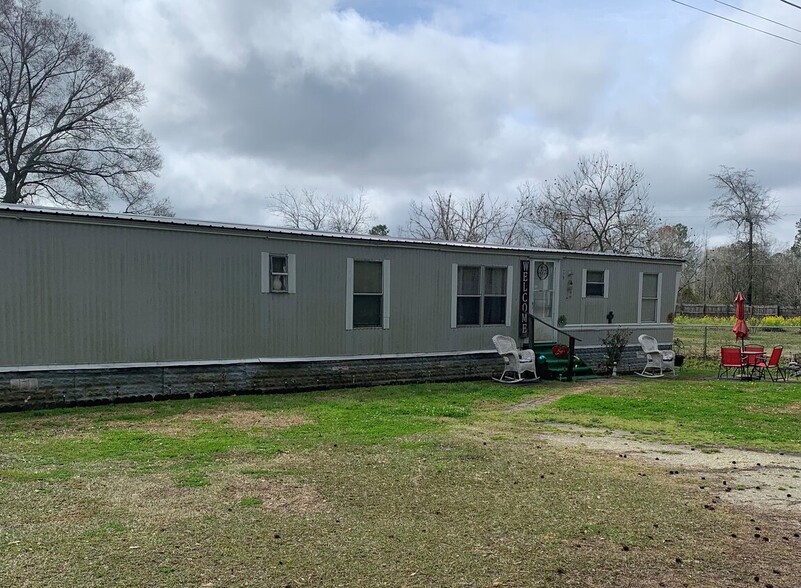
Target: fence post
<point x="705" y="335"/>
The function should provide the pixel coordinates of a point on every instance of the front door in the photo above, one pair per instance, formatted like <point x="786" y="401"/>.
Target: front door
<point x="543" y="290"/>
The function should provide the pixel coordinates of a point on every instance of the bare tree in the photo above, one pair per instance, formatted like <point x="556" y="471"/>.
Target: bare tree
<point x="146" y="203"/>
<point x="726" y="274"/>
<point x="479" y="219"/>
<point x="438" y="219"/>
<point x="786" y="270"/>
<point x="70" y="135"/>
<point x="309" y="210"/>
<point x="349" y="214"/>
<point x="748" y="206"/>
<point x="600" y="206"/>
<point x="678" y="242"/>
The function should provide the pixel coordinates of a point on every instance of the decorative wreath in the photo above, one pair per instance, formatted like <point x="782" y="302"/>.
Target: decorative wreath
<point x="560" y="351"/>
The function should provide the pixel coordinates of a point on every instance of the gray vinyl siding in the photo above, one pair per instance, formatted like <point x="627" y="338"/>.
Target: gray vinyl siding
<point x="77" y="290"/>
<point x="623" y="291"/>
<point x="420" y="303"/>
<point x="83" y="293"/>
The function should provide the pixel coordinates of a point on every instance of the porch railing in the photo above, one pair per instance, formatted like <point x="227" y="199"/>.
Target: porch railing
<point x="571" y="345"/>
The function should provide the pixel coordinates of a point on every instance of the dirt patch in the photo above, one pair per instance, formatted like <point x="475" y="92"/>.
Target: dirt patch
<point x="158" y="497"/>
<point x="153" y="497"/>
<point x="280" y="496"/>
<point x="237" y="419"/>
<point x="247" y="419"/>
<point x="553" y="397"/>
<point x="763" y="480"/>
<point x="79" y="427"/>
<point x="535" y="402"/>
<point x="792" y="408"/>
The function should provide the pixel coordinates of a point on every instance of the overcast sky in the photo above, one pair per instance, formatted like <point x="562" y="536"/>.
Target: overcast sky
<point x="399" y="98"/>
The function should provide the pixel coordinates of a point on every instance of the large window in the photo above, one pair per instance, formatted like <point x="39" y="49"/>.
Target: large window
<point x="494" y="295"/>
<point x="481" y="295"/>
<point x="650" y="285"/>
<point x="367" y="294"/>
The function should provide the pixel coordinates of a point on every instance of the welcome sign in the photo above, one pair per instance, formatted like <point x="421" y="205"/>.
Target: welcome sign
<point x="525" y="289"/>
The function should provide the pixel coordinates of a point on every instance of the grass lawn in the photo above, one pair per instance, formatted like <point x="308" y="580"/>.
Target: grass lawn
<point x="687" y="410"/>
<point x="426" y="485"/>
<point x="698" y="338"/>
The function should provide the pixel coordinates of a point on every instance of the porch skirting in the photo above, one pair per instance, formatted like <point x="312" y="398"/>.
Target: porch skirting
<point x="54" y="386"/>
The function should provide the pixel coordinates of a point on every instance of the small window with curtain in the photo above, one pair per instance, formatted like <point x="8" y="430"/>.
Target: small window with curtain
<point x="279" y="273"/>
<point x="649" y="303"/>
<point x="367" y="293"/>
<point x="595" y="284"/>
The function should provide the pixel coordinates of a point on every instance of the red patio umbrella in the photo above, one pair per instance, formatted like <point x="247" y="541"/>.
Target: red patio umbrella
<point x="740" y="328"/>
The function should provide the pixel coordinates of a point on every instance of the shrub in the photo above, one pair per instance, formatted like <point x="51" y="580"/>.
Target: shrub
<point x="614" y="343"/>
<point x="720" y="321"/>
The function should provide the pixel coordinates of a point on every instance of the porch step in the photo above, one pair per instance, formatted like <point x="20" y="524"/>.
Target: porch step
<point x="550" y="367"/>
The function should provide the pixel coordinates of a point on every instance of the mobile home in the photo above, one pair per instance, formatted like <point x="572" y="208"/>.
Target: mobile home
<point x="98" y="307"/>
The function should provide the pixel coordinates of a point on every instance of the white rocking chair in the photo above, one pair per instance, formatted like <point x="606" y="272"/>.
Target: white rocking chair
<point x="517" y="361"/>
<point x="657" y="361"/>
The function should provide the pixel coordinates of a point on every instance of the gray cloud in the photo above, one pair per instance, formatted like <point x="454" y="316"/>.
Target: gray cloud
<point x="248" y="97"/>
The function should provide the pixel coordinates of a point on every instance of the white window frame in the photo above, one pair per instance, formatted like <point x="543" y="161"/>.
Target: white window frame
<point x="658" y="297"/>
<point x="385" y="301"/>
<point x="267" y="273"/>
<point x="584" y="283"/>
<point x="455" y="294"/>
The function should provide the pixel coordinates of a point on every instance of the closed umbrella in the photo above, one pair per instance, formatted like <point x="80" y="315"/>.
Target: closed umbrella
<point x="740" y="328"/>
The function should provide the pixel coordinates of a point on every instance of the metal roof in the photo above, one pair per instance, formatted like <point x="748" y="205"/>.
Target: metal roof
<point x="175" y="222"/>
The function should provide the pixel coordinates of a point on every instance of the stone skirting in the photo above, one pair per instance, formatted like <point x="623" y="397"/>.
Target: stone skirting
<point x="75" y="385"/>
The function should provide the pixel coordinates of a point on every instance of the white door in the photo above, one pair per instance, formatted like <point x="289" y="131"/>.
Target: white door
<point x="543" y="280"/>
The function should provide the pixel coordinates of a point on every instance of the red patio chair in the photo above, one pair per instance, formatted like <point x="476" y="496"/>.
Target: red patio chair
<point x="764" y="367"/>
<point x="731" y="362"/>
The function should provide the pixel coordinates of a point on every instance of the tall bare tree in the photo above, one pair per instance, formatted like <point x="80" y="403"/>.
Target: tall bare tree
<point x="306" y="209"/>
<point x="746" y="205"/>
<point x="677" y="241"/>
<point x="786" y="270"/>
<point x="600" y="206"/>
<point x="478" y="219"/>
<point x="349" y="214"/>
<point x="70" y="134"/>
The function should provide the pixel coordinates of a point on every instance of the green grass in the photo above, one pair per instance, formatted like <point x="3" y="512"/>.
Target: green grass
<point x="698" y="339"/>
<point x="427" y="485"/>
<point x="760" y="415"/>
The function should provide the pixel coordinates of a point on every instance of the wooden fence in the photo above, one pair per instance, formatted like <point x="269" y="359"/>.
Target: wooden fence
<point x="728" y="310"/>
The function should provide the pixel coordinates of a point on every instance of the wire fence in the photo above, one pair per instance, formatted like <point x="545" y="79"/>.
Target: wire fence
<point x="705" y="341"/>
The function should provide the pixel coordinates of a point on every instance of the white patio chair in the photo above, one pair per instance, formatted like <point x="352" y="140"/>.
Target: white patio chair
<point x="517" y="361"/>
<point x="657" y="361"/>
